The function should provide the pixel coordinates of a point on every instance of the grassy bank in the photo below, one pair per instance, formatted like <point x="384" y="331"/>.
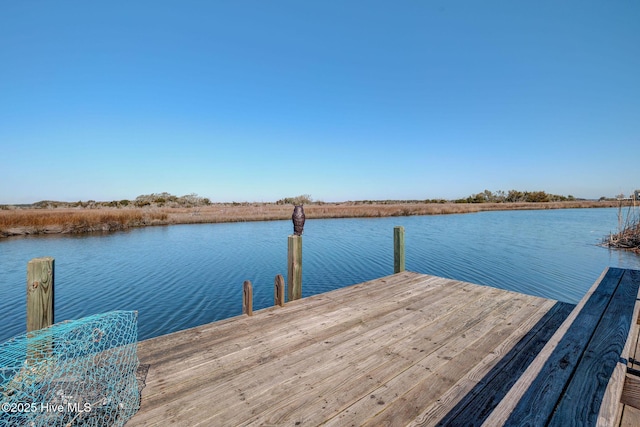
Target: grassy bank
<point x="80" y="220"/>
<point x="47" y="221"/>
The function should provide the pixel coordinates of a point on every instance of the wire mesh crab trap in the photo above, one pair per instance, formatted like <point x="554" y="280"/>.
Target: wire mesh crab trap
<point x="75" y="373"/>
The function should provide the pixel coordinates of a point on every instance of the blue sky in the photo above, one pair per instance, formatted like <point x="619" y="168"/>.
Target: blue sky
<point x="342" y="100"/>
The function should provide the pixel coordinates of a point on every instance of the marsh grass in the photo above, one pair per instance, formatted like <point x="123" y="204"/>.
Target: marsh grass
<point x="628" y="235"/>
<point x="38" y="221"/>
<point x="80" y="220"/>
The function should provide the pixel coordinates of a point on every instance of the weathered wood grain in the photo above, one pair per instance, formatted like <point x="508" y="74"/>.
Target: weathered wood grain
<point x="401" y="350"/>
<point x="580" y="403"/>
<point x="40" y="293"/>
<point x="398" y="249"/>
<point x="540" y="399"/>
<point x="478" y="403"/>
<point x="238" y="342"/>
<point x="429" y="349"/>
<point x="296" y="356"/>
<point x="247" y="298"/>
<point x="465" y="366"/>
<point x="630" y="417"/>
<point x="317" y="358"/>
<point x="315" y="312"/>
<point x="506" y="406"/>
<point x="612" y="406"/>
<point x="278" y="291"/>
<point x="319" y="306"/>
<point x="294" y="267"/>
<point x="631" y="391"/>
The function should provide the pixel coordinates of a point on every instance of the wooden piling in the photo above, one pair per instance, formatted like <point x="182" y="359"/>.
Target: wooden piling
<point x="247" y="298"/>
<point x="278" y="290"/>
<point x="398" y="249"/>
<point x="294" y="270"/>
<point x="40" y="287"/>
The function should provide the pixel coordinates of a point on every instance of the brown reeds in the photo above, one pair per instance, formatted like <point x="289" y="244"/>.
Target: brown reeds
<point x="39" y="221"/>
<point x="80" y="220"/>
<point x="628" y="235"/>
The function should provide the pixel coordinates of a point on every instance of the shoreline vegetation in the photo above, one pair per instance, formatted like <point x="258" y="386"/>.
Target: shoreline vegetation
<point x="49" y="217"/>
<point x="628" y="235"/>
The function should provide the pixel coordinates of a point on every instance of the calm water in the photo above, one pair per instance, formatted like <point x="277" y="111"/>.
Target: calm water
<point x="186" y="275"/>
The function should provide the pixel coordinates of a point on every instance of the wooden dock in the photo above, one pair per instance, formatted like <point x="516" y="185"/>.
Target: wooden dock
<point x="406" y="349"/>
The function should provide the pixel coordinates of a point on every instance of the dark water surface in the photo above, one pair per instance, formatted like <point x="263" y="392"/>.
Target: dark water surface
<point x="187" y="275"/>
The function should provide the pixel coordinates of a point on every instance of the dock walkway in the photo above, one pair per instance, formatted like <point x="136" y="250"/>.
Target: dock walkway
<point x="406" y="349"/>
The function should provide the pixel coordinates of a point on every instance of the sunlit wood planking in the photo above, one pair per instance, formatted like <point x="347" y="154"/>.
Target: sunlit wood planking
<point x="394" y="350"/>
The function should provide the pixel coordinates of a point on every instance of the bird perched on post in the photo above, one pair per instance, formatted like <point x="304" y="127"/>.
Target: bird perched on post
<point x="298" y="220"/>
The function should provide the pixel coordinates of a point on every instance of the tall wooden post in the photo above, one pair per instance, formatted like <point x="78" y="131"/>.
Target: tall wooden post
<point x="40" y="279"/>
<point x="294" y="270"/>
<point x="398" y="249"/>
<point x="278" y="290"/>
<point x="247" y="298"/>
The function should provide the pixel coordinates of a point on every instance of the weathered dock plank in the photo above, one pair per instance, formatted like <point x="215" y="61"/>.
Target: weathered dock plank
<point x="629" y="395"/>
<point x="396" y="350"/>
<point x="533" y="409"/>
<point x="451" y="348"/>
<point x="599" y="361"/>
<point x="578" y="377"/>
<point x="629" y="414"/>
<point x="480" y="400"/>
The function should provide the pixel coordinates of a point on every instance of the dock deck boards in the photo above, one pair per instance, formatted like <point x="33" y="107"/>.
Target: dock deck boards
<point x="406" y="349"/>
<point x="630" y="416"/>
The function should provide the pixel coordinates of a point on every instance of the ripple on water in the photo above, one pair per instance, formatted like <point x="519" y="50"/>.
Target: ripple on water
<point x="186" y="275"/>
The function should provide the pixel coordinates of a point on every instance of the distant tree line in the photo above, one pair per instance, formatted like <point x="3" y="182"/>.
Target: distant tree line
<point x="395" y="202"/>
<point x="486" y="196"/>
<point x="514" y="196"/>
<point x="193" y="200"/>
<point x="303" y="199"/>
<point x="500" y="196"/>
<point x="166" y="199"/>
<point x="153" y="199"/>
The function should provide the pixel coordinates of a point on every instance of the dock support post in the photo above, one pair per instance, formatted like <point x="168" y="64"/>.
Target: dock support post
<point x="294" y="270"/>
<point x="40" y="278"/>
<point x="278" y="290"/>
<point x="247" y="298"/>
<point x="398" y="249"/>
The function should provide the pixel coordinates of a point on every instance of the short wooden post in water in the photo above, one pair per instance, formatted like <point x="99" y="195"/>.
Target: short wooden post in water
<point x="294" y="271"/>
<point x="40" y="278"/>
<point x="247" y="298"/>
<point x="278" y="290"/>
<point x="398" y="249"/>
